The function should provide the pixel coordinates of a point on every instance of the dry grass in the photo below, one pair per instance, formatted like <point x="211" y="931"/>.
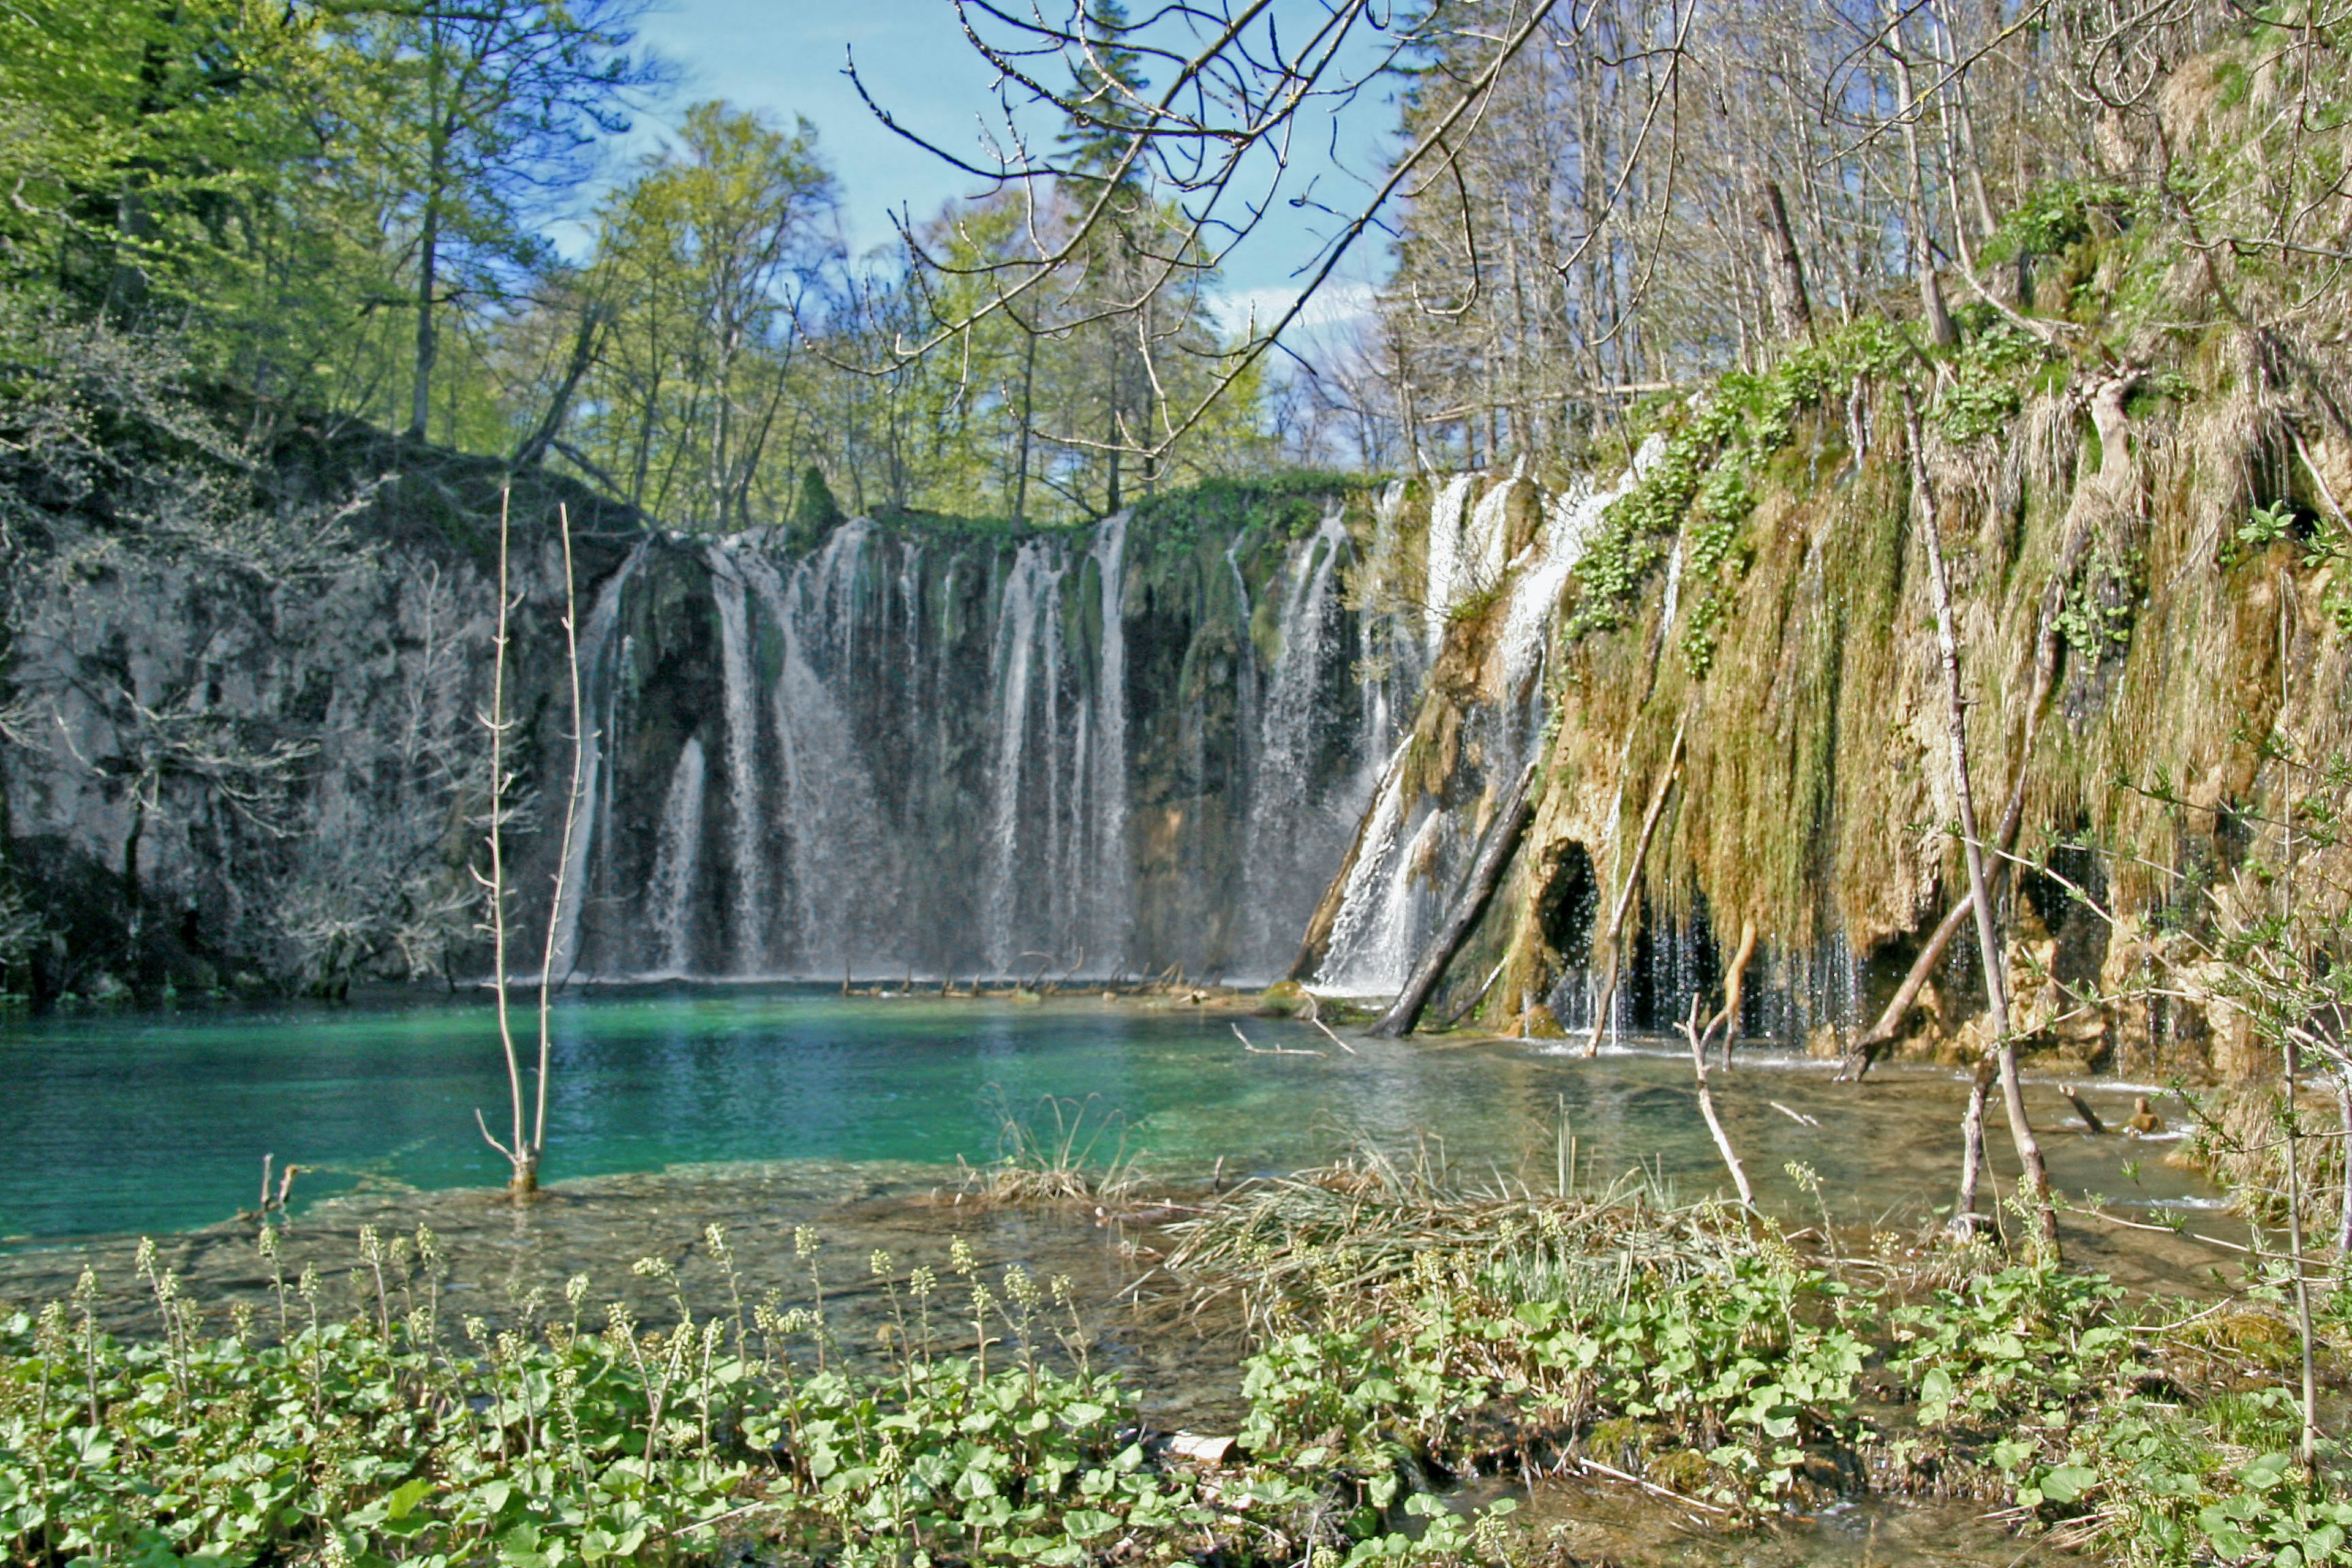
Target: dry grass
<point x="1057" y="1150"/>
<point x="1349" y="1230"/>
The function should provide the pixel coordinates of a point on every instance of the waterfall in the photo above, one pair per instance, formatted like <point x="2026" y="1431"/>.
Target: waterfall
<point x="1287" y="833"/>
<point x="1394" y="886"/>
<point x="1356" y="958"/>
<point x="948" y="752"/>
<point x="599" y="694"/>
<point x="676" y="852"/>
<point x="1485" y="544"/>
<point x="838" y="867"/>
<point x="1113" y="885"/>
<point x="1445" y="558"/>
<point x="1023" y="633"/>
<point x="730" y="597"/>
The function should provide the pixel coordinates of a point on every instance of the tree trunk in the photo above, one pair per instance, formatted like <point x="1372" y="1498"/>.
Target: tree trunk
<point x="1502" y="838"/>
<point x="1792" y="310"/>
<point x="1028" y="409"/>
<point x="1941" y="329"/>
<point x="2034" y="1177"/>
<point x="428" y="282"/>
<point x="583" y="355"/>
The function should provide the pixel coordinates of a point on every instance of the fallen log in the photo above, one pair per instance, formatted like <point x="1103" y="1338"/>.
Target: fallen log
<point x="1503" y="836"/>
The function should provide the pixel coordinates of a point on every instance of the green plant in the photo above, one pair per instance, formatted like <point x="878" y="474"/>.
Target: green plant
<point x="1070" y="1161"/>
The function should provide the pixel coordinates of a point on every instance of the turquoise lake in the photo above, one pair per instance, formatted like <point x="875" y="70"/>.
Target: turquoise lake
<point x="121" y="1123"/>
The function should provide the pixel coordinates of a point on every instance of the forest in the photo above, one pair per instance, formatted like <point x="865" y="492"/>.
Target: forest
<point x="1652" y="869"/>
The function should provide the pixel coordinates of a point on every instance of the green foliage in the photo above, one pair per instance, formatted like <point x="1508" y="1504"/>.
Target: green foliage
<point x="380" y="1437"/>
<point x="2101" y="603"/>
<point x="1988" y="383"/>
<point x="2054" y="215"/>
<point x="1745" y="1367"/>
<point x="1283" y="505"/>
<point x="2004" y="1340"/>
<point x="1703" y="473"/>
<point x="2042" y="1373"/>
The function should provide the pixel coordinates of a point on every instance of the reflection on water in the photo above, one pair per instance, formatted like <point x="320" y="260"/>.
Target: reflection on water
<point x="152" y="1123"/>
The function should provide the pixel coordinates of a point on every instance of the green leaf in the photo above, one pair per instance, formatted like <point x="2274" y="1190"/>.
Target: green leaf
<point x="2066" y="1483"/>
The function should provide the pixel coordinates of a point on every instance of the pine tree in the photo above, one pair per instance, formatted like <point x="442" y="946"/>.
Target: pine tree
<point x="815" y="511"/>
<point x="1106" y="111"/>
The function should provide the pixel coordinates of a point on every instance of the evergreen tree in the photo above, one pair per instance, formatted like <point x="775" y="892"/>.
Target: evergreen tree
<point x="815" y="511"/>
<point x="1107" y="110"/>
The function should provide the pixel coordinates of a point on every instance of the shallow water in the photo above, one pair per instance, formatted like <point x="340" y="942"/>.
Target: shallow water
<point x="118" y="1125"/>
<point x="764" y="1110"/>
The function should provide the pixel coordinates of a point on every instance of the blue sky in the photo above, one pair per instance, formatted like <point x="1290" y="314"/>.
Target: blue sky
<point x="786" y="58"/>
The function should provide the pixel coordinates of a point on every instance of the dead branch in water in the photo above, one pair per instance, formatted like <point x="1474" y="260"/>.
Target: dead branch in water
<point x="1503" y="836"/>
<point x="1735" y="991"/>
<point x="1690" y="1031"/>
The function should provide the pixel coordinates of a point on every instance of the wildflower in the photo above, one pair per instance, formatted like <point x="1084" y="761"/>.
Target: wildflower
<point x="1020" y="1288"/>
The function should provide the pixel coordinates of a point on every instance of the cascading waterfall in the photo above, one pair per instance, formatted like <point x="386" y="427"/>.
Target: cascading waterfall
<point x="730" y="595"/>
<point x="1292" y="833"/>
<point x="1107" y="851"/>
<point x="917" y="751"/>
<point x="599" y="696"/>
<point x="1411" y="850"/>
<point x="1373" y="937"/>
<point x="1445" y="558"/>
<point x="1028" y="644"/>
<point x="839" y="868"/>
<point x="674" y="857"/>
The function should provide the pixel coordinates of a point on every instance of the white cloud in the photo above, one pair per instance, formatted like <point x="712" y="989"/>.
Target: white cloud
<point x="1337" y="306"/>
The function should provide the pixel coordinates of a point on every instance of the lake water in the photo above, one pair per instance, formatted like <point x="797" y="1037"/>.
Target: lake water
<point x="761" y="1111"/>
<point x="119" y="1123"/>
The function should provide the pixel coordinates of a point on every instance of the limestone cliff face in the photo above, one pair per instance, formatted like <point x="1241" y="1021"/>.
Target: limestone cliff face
<point x="905" y="746"/>
<point x="1754" y="582"/>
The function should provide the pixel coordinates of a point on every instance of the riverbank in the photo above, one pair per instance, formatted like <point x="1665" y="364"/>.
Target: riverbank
<point x="1645" y="1381"/>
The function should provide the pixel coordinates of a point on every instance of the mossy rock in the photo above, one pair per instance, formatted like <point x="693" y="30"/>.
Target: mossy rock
<point x="1284" y="999"/>
<point x="1684" y="1470"/>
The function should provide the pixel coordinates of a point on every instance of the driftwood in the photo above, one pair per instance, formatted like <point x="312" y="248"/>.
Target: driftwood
<point x="1690" y="1031"/>
<point x="1608" y="998"/>
<point x="1503" y="836"/>
<point x="1735" y="991"/>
